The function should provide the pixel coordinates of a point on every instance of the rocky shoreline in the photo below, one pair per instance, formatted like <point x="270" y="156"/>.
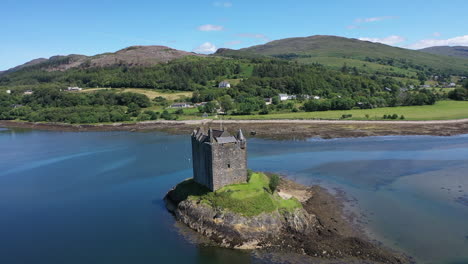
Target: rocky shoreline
<point x="319" y="230"/>
<point x="277" y="129"/>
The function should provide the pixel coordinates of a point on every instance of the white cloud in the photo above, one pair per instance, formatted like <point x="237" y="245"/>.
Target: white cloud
<point x="373" y="19"/>
<point x="255" y="36"/>
<point x="424" y="43"/>
<point x="210" y="27"/>
<point x="390" y="40"/>
<point x="436" y="34"/>
<point x="205" y="48"/>
<point x="233" y="43"/>
<point x="223" y="4"/>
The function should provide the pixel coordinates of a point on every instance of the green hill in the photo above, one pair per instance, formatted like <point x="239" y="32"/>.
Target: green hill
<point x="367" y="56"/>
<point x="456" y="51"/>
<point x="134" y="56"/>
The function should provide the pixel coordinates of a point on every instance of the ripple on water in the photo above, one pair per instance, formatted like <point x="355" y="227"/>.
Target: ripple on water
<point x="462" y="200"/>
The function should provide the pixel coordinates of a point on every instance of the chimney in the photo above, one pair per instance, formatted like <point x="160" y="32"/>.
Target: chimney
<point x="241" y="138"/>
<point x="210" y="135"/>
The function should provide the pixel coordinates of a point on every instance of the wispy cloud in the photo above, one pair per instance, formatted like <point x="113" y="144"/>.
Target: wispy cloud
<point x="254" y="36"/>
<point x="210" y="27"/>
<point x="359" y="21"/>
<point x="390" y="40"/>
<point x="373" y="19"/>
<point x="205" y="48"/>
<point x="424" y="43"/>
<point x="223" y="4"/>
<point x="233" y="43"/>
<point x="436" y="34"/>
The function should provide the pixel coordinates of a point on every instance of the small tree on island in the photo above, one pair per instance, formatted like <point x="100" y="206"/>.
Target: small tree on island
<point x="274" y="181"/>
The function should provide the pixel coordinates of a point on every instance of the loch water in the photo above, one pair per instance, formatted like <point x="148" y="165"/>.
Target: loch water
<point x="96" y="197"/>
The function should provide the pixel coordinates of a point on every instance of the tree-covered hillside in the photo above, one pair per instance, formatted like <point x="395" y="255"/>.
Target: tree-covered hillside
<point x="312" y="87"/>
<point x="366" y="56"/>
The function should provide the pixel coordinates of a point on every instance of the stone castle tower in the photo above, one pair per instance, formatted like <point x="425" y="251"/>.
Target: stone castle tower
<point x="219" y="158"/>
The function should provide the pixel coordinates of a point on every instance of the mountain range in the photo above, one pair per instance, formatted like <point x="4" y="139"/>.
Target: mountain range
<point x="331" y="51"/>
<point x="368" y="56"/>
<point x="455" y="51"/>
<point x="131" y="56"/>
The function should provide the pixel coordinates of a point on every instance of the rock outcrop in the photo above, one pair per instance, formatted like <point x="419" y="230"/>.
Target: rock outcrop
<point x="318" y="230"/>
<point x="236" y="231"/>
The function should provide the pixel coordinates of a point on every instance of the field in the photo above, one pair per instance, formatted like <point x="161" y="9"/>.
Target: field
<point x="442" y="110"/>
<point x="151" y="93"/>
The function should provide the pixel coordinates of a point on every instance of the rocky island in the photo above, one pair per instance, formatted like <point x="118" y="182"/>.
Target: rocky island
<point x="264" y="211"/>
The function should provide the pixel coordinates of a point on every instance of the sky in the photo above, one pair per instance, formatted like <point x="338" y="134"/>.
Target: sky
<point x="42" y="28"/>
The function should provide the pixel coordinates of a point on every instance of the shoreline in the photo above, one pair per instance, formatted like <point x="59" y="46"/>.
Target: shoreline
<point x="331" y="236"/>
<point x="276" y="129"/>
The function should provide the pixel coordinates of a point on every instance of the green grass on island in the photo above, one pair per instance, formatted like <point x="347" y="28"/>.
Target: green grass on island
<point x="249" y="199"/>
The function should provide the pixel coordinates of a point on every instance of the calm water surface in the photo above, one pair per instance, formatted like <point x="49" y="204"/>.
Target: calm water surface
<point x="96" y="197"/>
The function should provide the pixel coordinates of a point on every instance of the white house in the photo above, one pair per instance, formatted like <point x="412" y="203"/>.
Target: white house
<point x="316" y="97"/>
<point x="180" y="105"/>
<point x="74" y="89"/>
<point x="268" y="101"/>
<point x="28" y="92"/>
<point x="452" y="85"/>
<point x="224" y="84"/>
<point x="8" y="91"/>
<point x="283" y="97"/>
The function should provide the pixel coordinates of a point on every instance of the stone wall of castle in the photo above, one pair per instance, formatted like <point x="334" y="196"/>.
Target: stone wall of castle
<point x="216" y="165"/>
<point x="229" y="164"/>
<point x="202" y="157"/>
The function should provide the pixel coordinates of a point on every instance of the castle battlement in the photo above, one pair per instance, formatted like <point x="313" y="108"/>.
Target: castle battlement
<point x="219" y="159"/>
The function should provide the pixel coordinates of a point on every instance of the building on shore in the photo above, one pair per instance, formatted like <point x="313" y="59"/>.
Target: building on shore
<point x="219" y="159"/>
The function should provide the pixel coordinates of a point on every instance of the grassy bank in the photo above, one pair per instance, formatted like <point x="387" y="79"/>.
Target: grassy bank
<point x="249" y="199"/>
<point x="442" y="110"/>
<point x="150" y="93"/>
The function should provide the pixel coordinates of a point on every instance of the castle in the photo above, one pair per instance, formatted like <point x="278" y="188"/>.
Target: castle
<point x="219" y="159"/>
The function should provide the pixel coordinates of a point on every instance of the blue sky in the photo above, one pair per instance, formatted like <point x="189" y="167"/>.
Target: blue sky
<point x="33" y="28"/>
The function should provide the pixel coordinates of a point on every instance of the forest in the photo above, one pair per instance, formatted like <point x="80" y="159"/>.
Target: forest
<point x="252" y="80"/>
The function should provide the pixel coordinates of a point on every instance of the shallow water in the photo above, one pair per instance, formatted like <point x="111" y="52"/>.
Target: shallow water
<point x="96" y="197"/>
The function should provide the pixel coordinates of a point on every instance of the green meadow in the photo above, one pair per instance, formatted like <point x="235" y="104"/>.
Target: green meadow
<point x="249" y="199"/>
<point x="442" y="110"/>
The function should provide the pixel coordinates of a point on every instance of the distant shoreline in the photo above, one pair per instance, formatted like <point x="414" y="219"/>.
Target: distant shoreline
<point x="286" y="128"/>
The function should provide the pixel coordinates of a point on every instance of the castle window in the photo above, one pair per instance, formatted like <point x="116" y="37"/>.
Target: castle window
<point x="229" y="165"/>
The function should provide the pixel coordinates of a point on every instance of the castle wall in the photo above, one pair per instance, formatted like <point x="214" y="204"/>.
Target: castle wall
<point x="202" y="163"/>
<point x="218" y="164"/>
<point x="229" y="164"/>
